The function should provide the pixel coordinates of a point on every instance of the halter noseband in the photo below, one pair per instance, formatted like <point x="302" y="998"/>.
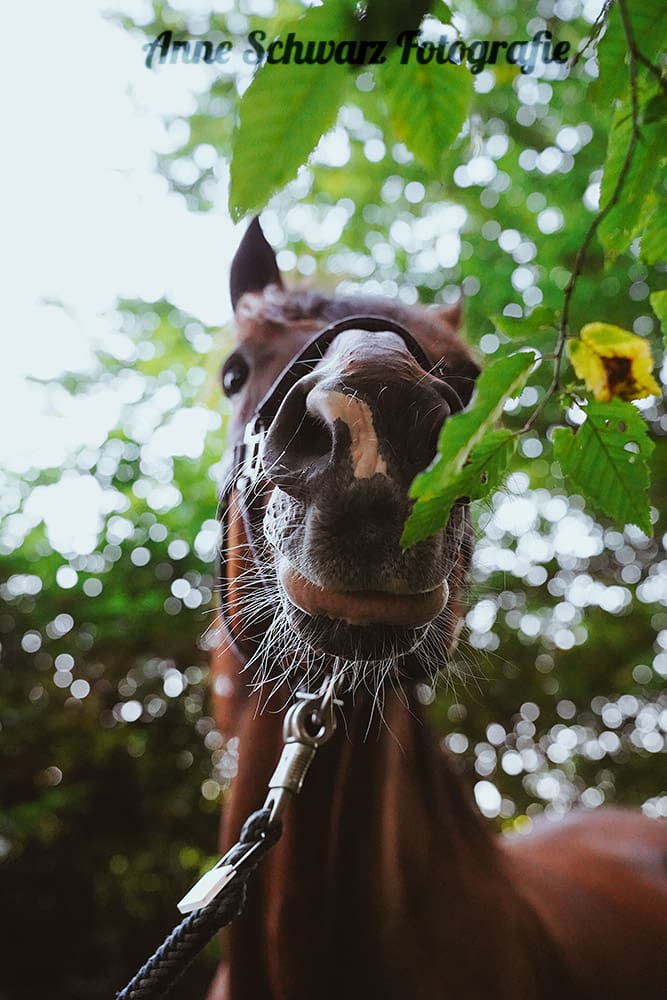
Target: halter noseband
<point x="246" y="460"/>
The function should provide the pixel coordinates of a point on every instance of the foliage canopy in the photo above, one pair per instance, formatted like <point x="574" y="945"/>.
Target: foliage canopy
<point x="541" y="198"/>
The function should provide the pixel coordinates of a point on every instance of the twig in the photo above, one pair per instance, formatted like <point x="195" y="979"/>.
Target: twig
<point x="613" y="201"/>
<point x="652" y="68"/>
<point x="594" y="33"/>
<point x="599" y="218"/>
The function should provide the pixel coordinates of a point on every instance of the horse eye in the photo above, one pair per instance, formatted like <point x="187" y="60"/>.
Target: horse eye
<point x="234" y="374"/>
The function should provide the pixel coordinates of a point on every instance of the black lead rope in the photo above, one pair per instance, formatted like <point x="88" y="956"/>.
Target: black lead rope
<point x="177" y="951"/>
<point x="219" y="895"/>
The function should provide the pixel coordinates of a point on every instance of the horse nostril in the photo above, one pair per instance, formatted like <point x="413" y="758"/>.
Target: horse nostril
<point x="314" y="439"/>
<point x="297" y="443"/>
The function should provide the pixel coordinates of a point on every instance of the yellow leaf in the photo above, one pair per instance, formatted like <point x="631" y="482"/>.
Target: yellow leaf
<point x="613" y="362"/>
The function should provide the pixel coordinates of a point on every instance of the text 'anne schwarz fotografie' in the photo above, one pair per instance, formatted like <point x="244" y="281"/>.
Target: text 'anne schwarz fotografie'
<point x="412" y="48"/>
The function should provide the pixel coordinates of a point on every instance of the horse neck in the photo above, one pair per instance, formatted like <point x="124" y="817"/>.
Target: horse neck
<point x="384" y="882"/>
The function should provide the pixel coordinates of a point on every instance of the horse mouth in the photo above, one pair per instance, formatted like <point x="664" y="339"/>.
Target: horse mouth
<point x="362" y="608"/>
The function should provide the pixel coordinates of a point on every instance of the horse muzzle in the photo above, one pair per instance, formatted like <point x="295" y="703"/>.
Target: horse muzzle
<point x="362" y="607"/>
<point x="358" y="625"/>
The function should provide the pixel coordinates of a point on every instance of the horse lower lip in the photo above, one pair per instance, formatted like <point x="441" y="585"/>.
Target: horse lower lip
<point x="365" y="607"/>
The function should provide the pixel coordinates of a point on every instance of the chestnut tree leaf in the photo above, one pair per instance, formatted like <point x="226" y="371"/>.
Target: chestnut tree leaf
<point x="469" y="457"/>
<point x="483" y="474"/>
<point x="427" y="104"/>
<point x="607" y="460"/>
<point x="286" y="110"/>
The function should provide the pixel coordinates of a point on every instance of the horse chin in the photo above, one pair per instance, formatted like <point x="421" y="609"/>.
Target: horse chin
<point x="368" y="626"/>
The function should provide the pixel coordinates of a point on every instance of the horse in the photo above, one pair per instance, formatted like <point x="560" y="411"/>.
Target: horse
<point x="386" y="881"/>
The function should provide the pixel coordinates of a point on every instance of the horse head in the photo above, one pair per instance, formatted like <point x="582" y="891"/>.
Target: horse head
<point x="351" y="392"/>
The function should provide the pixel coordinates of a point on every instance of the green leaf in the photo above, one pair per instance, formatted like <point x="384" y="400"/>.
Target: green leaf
<point x="482" y="475"/>
<point x="626" y="220"/>
<point x="658" y="302"/>
<point x="462" y="432"/>
<point x="541" y="318"/>
<point x="648" y="26"/>
<point x="607" y="460"/>
<point x="442" y="11"/>
<point x="460" y="436"/>
<point x="653" y="247"/>
<point x="649" y="31"/>
<point x="612" y="55"/>
<point x="427" y="104"/>
<point x="655" y="109"/>
<point x="283" y="114"/>
<point x="645" y="177"/>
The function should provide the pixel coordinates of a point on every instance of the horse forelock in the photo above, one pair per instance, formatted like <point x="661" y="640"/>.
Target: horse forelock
<point x="276" y="311"/>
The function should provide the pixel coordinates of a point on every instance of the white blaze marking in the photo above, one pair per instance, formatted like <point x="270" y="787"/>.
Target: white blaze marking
<point x="331" y="406"/>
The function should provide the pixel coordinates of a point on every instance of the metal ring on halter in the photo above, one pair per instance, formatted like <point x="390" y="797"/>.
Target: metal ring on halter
<point x="306" y="722"/>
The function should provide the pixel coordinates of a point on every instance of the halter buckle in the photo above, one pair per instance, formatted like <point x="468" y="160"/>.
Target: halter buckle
<point x="254" y="440"/>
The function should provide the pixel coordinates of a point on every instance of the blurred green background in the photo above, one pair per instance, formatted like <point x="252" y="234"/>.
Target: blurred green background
<point x="113" y="772"/>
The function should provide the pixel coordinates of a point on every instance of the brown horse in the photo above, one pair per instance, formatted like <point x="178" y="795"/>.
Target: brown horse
<point x="386" y="882"/>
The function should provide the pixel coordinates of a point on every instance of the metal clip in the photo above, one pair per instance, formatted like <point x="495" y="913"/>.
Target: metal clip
<point x="288" y="777"/>
<point x="309" y="723"/>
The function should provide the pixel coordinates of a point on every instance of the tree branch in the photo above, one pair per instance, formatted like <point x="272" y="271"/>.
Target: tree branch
<point x="596" y="28"/>
<point x="613" y="201"/>
<point x="580" y="257"/>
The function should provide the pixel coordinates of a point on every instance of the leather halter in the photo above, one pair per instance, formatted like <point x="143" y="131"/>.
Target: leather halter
<point x="245" y="467"/>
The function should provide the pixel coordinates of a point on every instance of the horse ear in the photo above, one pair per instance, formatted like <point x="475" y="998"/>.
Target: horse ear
<point x="463" y="377"/>
<point x="452" y="316"/>
<point x="254" y="265"/>
<point x="464" y="370"/>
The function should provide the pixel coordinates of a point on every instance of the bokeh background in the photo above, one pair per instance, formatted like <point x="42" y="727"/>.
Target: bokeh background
<point x="115" y="320"/>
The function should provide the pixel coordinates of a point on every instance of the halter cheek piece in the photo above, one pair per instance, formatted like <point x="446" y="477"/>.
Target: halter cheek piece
<point x="245" y="467"/>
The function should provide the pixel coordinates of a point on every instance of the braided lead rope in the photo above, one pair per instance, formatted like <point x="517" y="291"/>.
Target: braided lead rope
<point x="178" y="950"/>
<point x="309" y="723"/>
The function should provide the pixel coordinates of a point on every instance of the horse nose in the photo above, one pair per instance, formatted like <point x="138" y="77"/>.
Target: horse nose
<point x="332" y="407"/>
<point x="321" y="426"/>
<point x="326" y="426"/>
